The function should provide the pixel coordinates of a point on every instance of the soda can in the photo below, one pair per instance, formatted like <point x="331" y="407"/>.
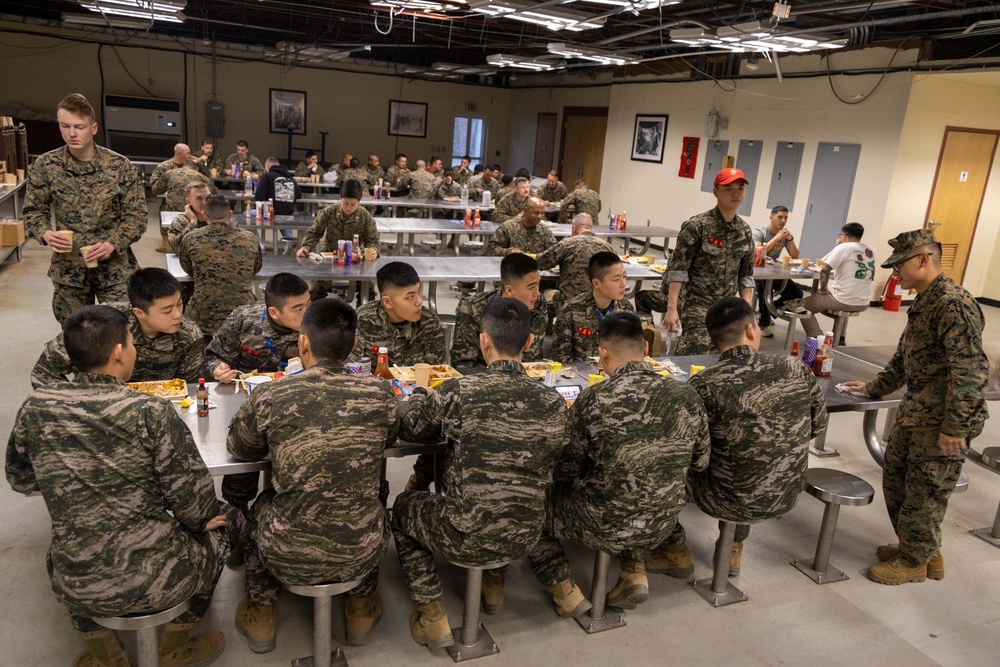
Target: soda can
<point x="809" y="354"/>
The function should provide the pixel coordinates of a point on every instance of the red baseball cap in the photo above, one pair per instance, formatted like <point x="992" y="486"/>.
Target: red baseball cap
<point x="727" y="176"/>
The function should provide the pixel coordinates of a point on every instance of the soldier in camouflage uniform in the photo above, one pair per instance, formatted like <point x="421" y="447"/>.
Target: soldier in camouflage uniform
<point x="463" y="173"/>
<point x="323" y="520"/>
<point x="448" y="187"/>
<point x="941" y="361"/>
<point x="504" y="433"/>
<point x="399" y="321"/>
<point x="160" y="185"/>
<point x="398" y="176"/>
<point x="422" y="184"/>
<point x="358" y="173"/>
<point x="193" y="216"/>
<point x="339" y="222"/>
<point x="177" y="181"/>
<point x="523" y="233"/>
<point x="345" y="163"/>
<point x="261" y="337"/>
<point x="483" y="182"/>
<point x="506" y="187"/>
<point x="554" y="190"/>
<point x="581" y="200"/>
<point x="249" y="164"/>
<point x="308" y="167"/>
<point x="375" y="173"/>
<point x="619" y="484"/>
<point x="572" y="256"/>
<point x="575" y="328"/>
<point x="135" y="521"/>
<point x="167" y="345"/>
<point x="94" y="193"/>
<point x="211" y="158"/>
<point x="713" y="258"/>
<point x="511" y="206"/>
<point x="763" y="410"/>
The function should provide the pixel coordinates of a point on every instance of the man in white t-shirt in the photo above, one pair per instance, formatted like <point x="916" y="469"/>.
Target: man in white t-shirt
<point x="852" y="265"/>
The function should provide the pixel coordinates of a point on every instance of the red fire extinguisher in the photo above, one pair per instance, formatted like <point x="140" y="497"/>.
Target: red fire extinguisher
<point x="893" y="295"/>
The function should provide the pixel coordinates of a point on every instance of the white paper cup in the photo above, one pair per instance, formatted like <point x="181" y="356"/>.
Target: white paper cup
<point x="255" y="381"/>
<point x="422" y="374"/>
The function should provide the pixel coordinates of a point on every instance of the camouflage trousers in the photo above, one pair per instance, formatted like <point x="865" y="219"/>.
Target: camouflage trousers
<point x="694" y="334"/>
<point x="67" y="298"/>
<point x="240" y="489"/>
<point x="422" y="530"/>
<point x="263" y="587"/>
<point x="917" y="482"/>
<point x="216" y="545"/>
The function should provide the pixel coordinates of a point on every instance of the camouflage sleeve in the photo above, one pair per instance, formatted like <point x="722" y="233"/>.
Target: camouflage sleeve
<point x="184" y="255"/>
<point x="574" y="455"/>
<point x="53" y="364"/>
<point x="224" y="348"/>
<point x="465" y="347"/>
<point x="683" y="254"/>
<point x="314" y="234"/>
<point x="256" y="166"/>
<point x="175" y="233"/>
<point x="37" y="204"/>
<point x="158" y="180"/>
<point x="424" y="420"/>
<point x="134" y="214"/>
<point x="745" y="276"/>
<point x="258" y="260"/>
<point x="548" y="239"/>
<point x="548" y="258"/>
<point x="192" y="359"/>
<point x="712" y="415"/>
<point x="499" y="242"/>
<point x="369" y="235"/>
<point x="539" y="323"/>
<point x="185" y="482"/>
<point x="817" y="403"/>
<point x="968" y="370"/>
<point x="890" y="378"/>
<point x="562" y="343"/>
<point x="247" y="439"/>
<point x="701" y="454"/>
<point x="301" y="170"/>
<point x="392" y="412"/>
<point x="20" y="471"/>
<point x="436" y="344"/>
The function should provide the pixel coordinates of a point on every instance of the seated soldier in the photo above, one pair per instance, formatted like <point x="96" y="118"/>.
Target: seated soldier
<point x="770" y="240"/>
<point x="323" y="520"/>
<point x="519" y="280"/>
<point x="177" y="181"/>
<point x="506" y="185"/>
<point x="504" y="433"/>
<point x="357" y="172"/>
<point x="462" y="173"/>
<point x="399" y="321"/>
<point x="339" y="222"/>
<point x="522" y="233"/>
<point x="308" y="167"/>
<point x="511" y="206"/>
<point x="484" y="182"/>
<point x="448" y="188"/>
<point x="375" y="173"/>
<point x="581" y="200"/>
<point x="619" y="484"/>
<point x="222" y="259"/>
<point x="262" y="336"/>
<point x="421" y="182"/>
<point x="572" y="255"/>
<point x="167" y="344"/>
<point x="398" y="176"/>
<point x="193" y="216"/>
<point x="554" y="190"/>
<point x="135" y="522"/>
<point x="762" y="412"/>
<point x="576" y="324"/>
<point x="278" y="185"/>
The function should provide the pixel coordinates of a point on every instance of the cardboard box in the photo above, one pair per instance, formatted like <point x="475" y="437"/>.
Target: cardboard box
<point x="11" y="232"/>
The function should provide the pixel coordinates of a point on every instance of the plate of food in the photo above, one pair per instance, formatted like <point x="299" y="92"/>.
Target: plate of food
<point x="277" y="375"/>
<point x="176" y="388"/>
<point x="659" y="268"/>
<point x="439" y="372"/>
<point x="665" y="365"/>
<point x="535" y="369"/>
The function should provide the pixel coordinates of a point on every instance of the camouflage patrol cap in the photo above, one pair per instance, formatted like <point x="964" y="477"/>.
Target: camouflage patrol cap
<point x="904" y="245"/>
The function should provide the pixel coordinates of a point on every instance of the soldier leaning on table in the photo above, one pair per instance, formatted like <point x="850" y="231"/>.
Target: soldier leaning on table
<point x="249" y="164"/>
<point x="941" y="362"/>
<point x="323" y="520"/>
<point x="96" y="194"/>
<point x="398" y="176"/>
<point x="210" y="157"/>
<point x="308" y="167"/>
<point x="448" y="187"/>
<point x="462" y="172"/>
<point x="522" y="233"/>
<point x="136" y="526"/>
<point x="554" y="190"/>
<point x="504" y="432"/>
<point x="763" y="409"/>
<point x="572" y="255"/>
<point x="345" y="163"/>
<point x="619" y="484"/>
<point x="167" y="344"/>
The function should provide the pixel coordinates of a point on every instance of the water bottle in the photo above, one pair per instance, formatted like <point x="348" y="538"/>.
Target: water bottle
<point x="247" y="186"/>
<point x="465" y="194"/>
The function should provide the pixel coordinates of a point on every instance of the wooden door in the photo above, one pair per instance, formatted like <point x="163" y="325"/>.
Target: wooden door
<point x="545" y="144"/>
<point x="957" y="196"/>
<point x="581" y="151"/>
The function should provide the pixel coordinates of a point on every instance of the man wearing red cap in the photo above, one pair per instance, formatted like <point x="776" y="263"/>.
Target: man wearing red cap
<point x="713" y="259"/>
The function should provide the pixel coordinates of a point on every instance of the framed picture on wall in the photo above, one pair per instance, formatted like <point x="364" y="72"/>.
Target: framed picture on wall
<point x="288" y="111"/>
<point x="650" y="134"/>
<point x="407" y="119"/>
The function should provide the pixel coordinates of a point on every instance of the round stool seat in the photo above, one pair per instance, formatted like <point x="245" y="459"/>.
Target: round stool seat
<point x="324" y="590"/>
<point x="472" y="244"/>
<point x="962" y="484"/>
<point x="991" y="458"/>
<point x="792" y="314"/>
<point x="487" y="566"/>
<point x="836" y="486"/>
<point x="143" y="621"/>
<point x="431" y="242"/>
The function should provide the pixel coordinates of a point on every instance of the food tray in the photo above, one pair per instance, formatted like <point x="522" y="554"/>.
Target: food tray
<point x="438" y="372"/>
<point x="176" y="388"/>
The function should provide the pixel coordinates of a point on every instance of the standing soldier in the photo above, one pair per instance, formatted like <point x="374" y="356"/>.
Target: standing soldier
<point x="554" y="190"/>
<point x="713" y="258"/>
<point x="159" y="185"/>
<point x="572" y="256"/>
<point x="99" y="203"/>
<point x="581" y="200"/>
<point x="522" y="233"/>
<point x="941" y="361"/>
<point x="249" y="164"/>
<point x="504" y="433"/>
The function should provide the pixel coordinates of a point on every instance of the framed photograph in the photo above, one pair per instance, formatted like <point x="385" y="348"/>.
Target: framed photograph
<point x="288" y="111"/>
<point x="407" y="119"/>
<point x="650" y="134"/>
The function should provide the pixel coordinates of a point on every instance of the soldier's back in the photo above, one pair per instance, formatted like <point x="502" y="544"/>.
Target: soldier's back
<point x="222" y="261"/>
<point x="421" y="184"/>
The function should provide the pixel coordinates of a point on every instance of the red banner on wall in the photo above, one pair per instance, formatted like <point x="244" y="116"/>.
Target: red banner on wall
<point x="689" y="157"/>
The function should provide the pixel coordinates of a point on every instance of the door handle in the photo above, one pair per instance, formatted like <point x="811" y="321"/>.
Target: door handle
<point x="932" y="224"/>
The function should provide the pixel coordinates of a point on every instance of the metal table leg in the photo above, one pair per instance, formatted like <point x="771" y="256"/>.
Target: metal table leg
<point x="818" y="448"/>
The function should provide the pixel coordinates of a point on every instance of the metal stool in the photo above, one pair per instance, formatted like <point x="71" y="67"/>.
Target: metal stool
<point x="434" y="245"/>
<point x="718" y="591"/>
<point x="145" y="626"/>
<point x="835" y="488"/>
<point x="322" y="612"/>
<point x="475" y="247"/>
<point x="792" y="318"/>
<point x="840" y="323"/>
<point x="990" y="458"/>
<point x="472" y="640"/>
<point x="448" y="324"/>
<point x="600" y="619"/>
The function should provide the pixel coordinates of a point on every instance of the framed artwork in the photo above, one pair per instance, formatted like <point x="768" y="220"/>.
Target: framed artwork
<point x="407" y="119"/>
<point x="288" y="111"/>
<point x="647" y="142"/>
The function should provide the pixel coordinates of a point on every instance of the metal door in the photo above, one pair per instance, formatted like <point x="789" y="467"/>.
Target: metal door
<point x="785" y="175"/>
<point x="748" y="160"/>
<point x="545" y="143"/>
<point x="829" y="197"/>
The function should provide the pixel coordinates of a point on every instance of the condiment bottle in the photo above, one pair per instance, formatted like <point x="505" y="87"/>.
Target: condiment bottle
<point x="382" y="367"/>
<point x="202" y="398"/>
<point x="795" y="348"/>
<point x="476" y="219"/>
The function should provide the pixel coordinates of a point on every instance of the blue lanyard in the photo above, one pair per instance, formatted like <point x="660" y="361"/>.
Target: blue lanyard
<point x="611" y="309"/>
<point x="277" y="356"/>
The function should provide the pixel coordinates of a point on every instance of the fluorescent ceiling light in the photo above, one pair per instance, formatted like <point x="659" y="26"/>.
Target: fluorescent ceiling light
<point x="536" y="65"/>
<point x="754" y="36"/>
<point x="164" y="10"/>
<point x="420" y="5"/>
<point x="553" y="18"/>
<point x="106" y="21"/>
<point x="590" y="53"/>
<point x="638" y="5"/>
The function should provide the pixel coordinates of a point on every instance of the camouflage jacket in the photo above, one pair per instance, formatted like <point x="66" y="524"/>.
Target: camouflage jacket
<point x="214" y="162"/>
<point x="504" y="433"/>
<point x="508" y="207"/>
<point x="303" y="170"/>
<point x="165" y="357"/>
<point x="249" y="341"/>
<point x="326" y="519"/>
<point x="102" y="200"/>
<point x="334" y="225"/>
<point x="373" y="175"/>
<point x="469" y="313"/>
<point x="513" y="234"/>
<point x="572" y="255"/>
<point x="177" y="181"/>
<point x="712" y="257"/>
<point x="222" y="259"/>
<point x="576" y="327"/>
<point x="126" y="490"/>
<point x="453" y="189"/>
<point x="422" y="184"/>
<point x="251" y="164"/>
<point x="632" y="440"/>
<point x="502" y="192"/>
<point x="763" y="410"/>
<point x="159" y="185"/>
<point x="397" y="178"/>
<point x="553" y="194"/>
<point x="409" y="343"/>
<point x="476" y="183"/>
<point x="941" y="361"/>
<point x="361" y="174"/>
<point x="179" y="227"/>
<point x="581" y="200"/>
<point x="463" y="175"/>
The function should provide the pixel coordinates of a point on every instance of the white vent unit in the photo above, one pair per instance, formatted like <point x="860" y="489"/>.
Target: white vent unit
<point x="142" y="128"/>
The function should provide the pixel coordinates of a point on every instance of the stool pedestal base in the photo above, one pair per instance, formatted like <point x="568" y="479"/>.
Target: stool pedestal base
<point x="337" y="659"/>
<point x="611" y="619"/>
<point x="986" y="534"/>
<point x="831" y="575"/>
<point x="484" y="645"/>
<point x="732" y="595"/>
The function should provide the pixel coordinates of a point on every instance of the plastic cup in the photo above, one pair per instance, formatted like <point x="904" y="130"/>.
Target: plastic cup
<point x="786" y="260"/>
<point x="255" y="381"/>
<point x="371" y="254"/>
<point x="805" y="263"/>
<point x="422" y="374"/>
<point x="92" y="264"/>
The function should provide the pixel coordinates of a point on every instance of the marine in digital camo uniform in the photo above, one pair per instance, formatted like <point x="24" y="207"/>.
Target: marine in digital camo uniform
<point x="409" y="343"/>
<point x="581" y="200"/>
<point x="572" y="255"/>
<point x="513" y="234"/>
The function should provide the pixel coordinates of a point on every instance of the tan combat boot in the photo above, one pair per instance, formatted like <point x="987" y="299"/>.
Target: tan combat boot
<point x="178" y="648"/>
<point x="429" y="626"/>
<point x="673" y="560"/>
<point x="362" y="613"/>
<point x="492" y="594"/>
<point x="569" y="599"/>
<point x="632" y="588"/>
<point x="256" y="623"/>
<point x="897" y="571"/>
<point x="935" y="566"/>
<point x="103" y="650"/>
<point x="736" y="559"/>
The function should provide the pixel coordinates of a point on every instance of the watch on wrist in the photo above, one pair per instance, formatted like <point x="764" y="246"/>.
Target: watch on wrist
<point x="419" y="390"/>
